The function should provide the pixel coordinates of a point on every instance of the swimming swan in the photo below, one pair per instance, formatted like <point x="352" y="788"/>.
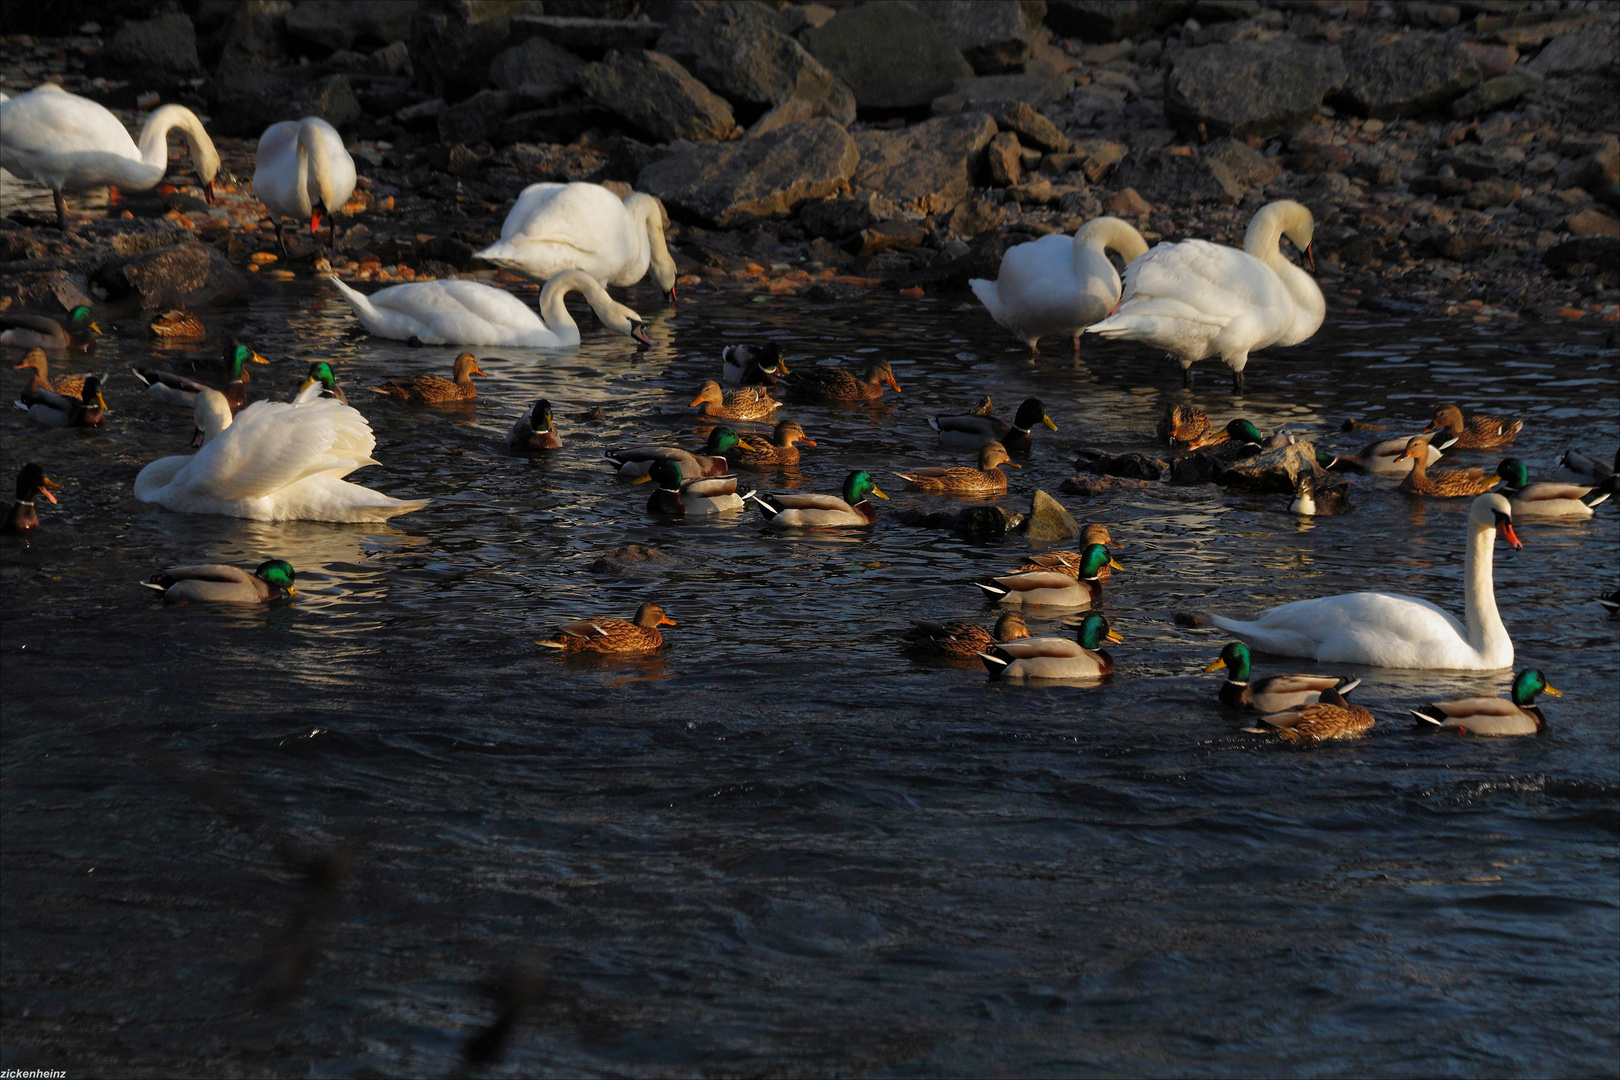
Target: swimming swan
<point x="300" y="170"/>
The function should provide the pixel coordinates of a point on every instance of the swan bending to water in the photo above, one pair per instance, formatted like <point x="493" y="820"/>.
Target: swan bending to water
<point x="301" y="170"/>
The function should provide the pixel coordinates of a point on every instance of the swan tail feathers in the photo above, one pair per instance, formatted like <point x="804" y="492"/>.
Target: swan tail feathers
<point x="989" y="297"/>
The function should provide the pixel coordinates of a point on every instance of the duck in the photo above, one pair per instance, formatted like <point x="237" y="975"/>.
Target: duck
<point x="752" y="365"/>
<point x="436" y="389"/>
<point x="1053" y="588"/>
<point x="1068" y="562"/>
<point x="458" y="312"/>
<point x="1319" y="500"/>
<point x="1183" y="425"/>
<point x="1059" y="284"/>
<point x="1387" y="457"/>
<point x="220" y="583"/>
<point x="780" y="453"/>
<point x="636" y="462"/>
<point x="702" y="496"/>
<point x="1546" y="500"/>
<point x="851" y="511"/>
<point x="32" y="483"/>
<point x="320" y="374"/>
<point x="1235" y="435"/>
<point x="961" y="481"/>
<point x="1493" y="716"/>
<point x="579" y="226"/>
<point x="1585" y="470"/>
<point x="1274" y="693"/>
<point x="1447" y="483"/>
<point x="68" y="143"/>
<point x="1389" y="630"/>
<point x="29" y="331"/>
<point x="181" y="391"/>
<point x="34" y="360"/>
<point x="623" y="637"/>
<point x="273" y="461"/>
<point x="976" y="431"/>
<point x="1055" y="657"/>
<point x="1197" y="300"/>
<point x="840" y="384"/>
<point x="89" y="409"/>
<point x="1610" y="602"/>
<point x="964" y="640"/>
<point x="535" y="429"/>
<point x="1329" y="718"/>
<point x="1479" y="432"/>
<point x="177" y="325"/>
<point x="302" y="170"/>
<point x="743" y="403"/>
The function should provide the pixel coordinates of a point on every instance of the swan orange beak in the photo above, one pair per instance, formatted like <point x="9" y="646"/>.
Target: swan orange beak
<point x="196" y="437"/>
<point x="1310" y="256"/>
<point x="639" y="332"/>
<point x="208" y="192"/>
<point x="1504" y="529"/>
<point x="315" y="221"/>
<point x="670" y="297"/>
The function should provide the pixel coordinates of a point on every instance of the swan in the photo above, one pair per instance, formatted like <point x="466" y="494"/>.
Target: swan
<point x="273" y="462"/>
<point x="1196" y="299"/>
<point x="300" y="170"/>
<point x="1059" y="284"/>
<point x="1386" y="630"/>
<point x="457" y="312"/>
<point x="557" y="227"/>
<point x="67" y="142"/>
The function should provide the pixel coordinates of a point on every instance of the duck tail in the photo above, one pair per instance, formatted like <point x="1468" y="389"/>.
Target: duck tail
<point x="991" y="588"/>
<point x="548" y="644"/>
<point x="767" y="506"/>
<point x="1346" y="685"/>
<point x="154" y="586"/>
<point x="23" y="405"/>
<point x="1602" y="492"/>
<point x="933" y="422"/>
<point x="1428" y="715"/>
<point x="994" y="664"/>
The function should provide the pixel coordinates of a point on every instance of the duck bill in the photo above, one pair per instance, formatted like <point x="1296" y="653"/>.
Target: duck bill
<point x="1047" y="420"/>
<point x="642" y="479"/>
<point x="878" y="493"/>
<point x="307" y="384"/>
<point x="45" y="486"/>
<point x="257" y="359"/>
<point x="94" y="328"/>
<point x="1009" y="465"/>
<point x="477" y="371"/>
<point x="893" y="385"/>
<point x="1113" y="636"/>
<point x="1217" y="665"/>
<point x="1505" y="531"/>
<point x="101" y="402"/>
<point x="667" y="621"/>
<point x="805" y="441"/>
<point x="699" y="400"/>
<point x="291" y="591"/>
<point x="1114" y="564"/>
<point x="1548" y="688"/>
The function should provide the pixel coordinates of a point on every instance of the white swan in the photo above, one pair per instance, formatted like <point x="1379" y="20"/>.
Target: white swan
<point x="557" y="227"/>
<point x="1385" y="630"/>
<point x="301" y="168"/>
<point x="273" y="462"/>
<point x="1196" y="299"/>
<point x="67" y="142"/>
<point x="457" y="312"/>
<point x="1058" y="285"/>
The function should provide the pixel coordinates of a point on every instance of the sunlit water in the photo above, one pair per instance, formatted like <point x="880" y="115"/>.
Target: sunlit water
<point x="784" y="846"/>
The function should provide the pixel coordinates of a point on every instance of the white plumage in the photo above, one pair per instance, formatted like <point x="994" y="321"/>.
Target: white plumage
<point x="302" y="164"/>
<point x="578" y="226"/>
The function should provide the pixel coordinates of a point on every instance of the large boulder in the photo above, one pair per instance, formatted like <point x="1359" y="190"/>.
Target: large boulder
<point x="475" y="120"/>
<point x="1273" y="471"/>
<point x="890" y="54"/>
<point x="993" y="35"/>
<point x="589" y="36"/>
<point x="251" y="100"/>
<point x="1592" y="50"/>
<point x="1113" y="20"/>
<point x="658" y="95"/>
<point x="996" y="93"/>
<point x="1178" y="179"/>
<point x="1252" y="87"/>
<point x="1389" y="75"/>
<point x="1032" y="128"/>
<point x="537" y="69"/>
<point x="927" y="167"/>
<point x="338" y="24"/>
<point x="1246" y="164"/>
<point x="452" y="51"/>
<point x="730" y="184"/>
<point x="255" y="36"/>
<point x="160" y="52"/>
<point x="187" y="274"/>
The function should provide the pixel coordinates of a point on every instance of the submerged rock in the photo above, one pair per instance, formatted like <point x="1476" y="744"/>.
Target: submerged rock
<point x="1048" y="520"/>
<point x="184" y="275"/>
<point x="1129" y="466"/>
<point x="730" y="184"/>
<point x="1275" y="471"/>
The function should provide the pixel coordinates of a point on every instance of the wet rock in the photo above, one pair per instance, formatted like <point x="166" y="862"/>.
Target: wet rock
<point x="160" y="52"/>
<point x="890" y="55"/>
<point x="1032" y="128"/>
<point x="894" y="235"/>
<point x="256" y="35"/>
<point x="1251" y="88"/>
<point x="1363" y="249"/>
<point x="1112" y="20"/>
<point x="1591" y="222"/>
<point x="1091" y="486"/>
<point x="1275" y="471"/>
<point x="1079" y="202"/>
<point x="985" y="523"/>
<point x="658" y="95"/>
<point x="993" y="37"/>
<point x="1589" y="51"/>
<point x="926" y="167"/>
<point x="183" y="275"/>
<point x="1048" y="520"/>
<point x="1098" y="157"/>
<point x="974" y="216"/>
<point x="1246" y="164"/>
<point x="1493" y="60"/>
<point x="1002" y="160"/>
<point x="39" y="284"/>
<point x="839" y="219"/>
<point x="1197" y="467"/>
<point x="447" y="250"/>
<point x="255" y="99"/>
<point x="1583" y="256"/>
<point x="998" y="93"/>
<point x="1493" y="94"/>
<point x="452" y="51"/>
<point x="477" y="119"/>
<point x="1390" y="76"/>
<point x="733" y="183"/>
<point x="592" y="37"/>
<point x="537" y="69"/>
<point x="1498" y="191"/>
<point x="632" y="560"/>
<point x="1178" y="179"/>
<point x="1127" y="203"/>
<point x="738" y="49"/>
<point x="1130" y="466"/>
<point x="337" y="24"/>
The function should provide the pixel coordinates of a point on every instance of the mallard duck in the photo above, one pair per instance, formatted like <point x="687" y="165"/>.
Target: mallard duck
<point x="1068" y="562"/>
<point x="535" y="429"/>
<point x="221" y="584"/>
<point x="1183" y="425"/>
<point x="320" y="374"/>
<point x="752" y="365"/>
<point x="702" y="496"/>
<point x="1549" y="500"/>
<point x="31" y="483"/>
<point x="965" y="640"/>
<point x="436" y="389"/>
<point x="1052" y="587"/>
<point x="181" y="391"/>
<point x="70" y="386"/>
<point x="1312" y="500"/>
<point x="985" y="407"/>
<point x="1329" y="718"/>
<point x="976" y="431"/>
<point x="58" y="410"/>
<point x="1585" y="470"/>
<point x="1447" y="483"/>
<point x="1055" y="657"/>
<point x="779" y="452"/>
<point x="635" y="462"/>
<point x="1387" y="457"/>
<point x="620" y="636"/>
<point x="1237" y="433"/>
<point x="854" y="510"/>
<point x="1477" y="432"/>
<point x="177" y="325"/>
<point x="1610" y="602"/>
<point x="840" y="384"/>
<point x="959" y="480"/>
<point x="27" y="331"/>
<point x="1493" y="716"/>
<point x="744" y="403"/>
<point x="1274" y="693"/>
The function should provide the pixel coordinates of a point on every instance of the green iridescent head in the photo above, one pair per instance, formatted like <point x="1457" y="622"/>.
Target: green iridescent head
<point x="79" y="320"/>
<point x="666" y="473"/>
<point x="858" y="485"/>
<point x="1244" y="432"/>
<point x="722" y="440"/>
<point x="1235" y="659"/>
<point x="320" y="371"/>
<point x="1030" y="413"/>
<point x="277" y="572"/>
<point x="237" y="354"/>
<point x="1530" y="682"/>
<point x="540" y="416"/>
<point x="1094" y="558"/>
<point x="1517" y="475"/>
<point x="1094" y="630"/>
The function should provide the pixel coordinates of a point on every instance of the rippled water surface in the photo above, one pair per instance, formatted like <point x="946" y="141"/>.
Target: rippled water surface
<point x="784" y="846"/>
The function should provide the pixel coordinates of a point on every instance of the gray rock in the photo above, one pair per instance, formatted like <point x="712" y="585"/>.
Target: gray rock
<point x="1048" y="520"/>
<point x="160" y="52"/>
<point x="1246" y="164"/>
<point x="1098" y="157"/>
<point x="1129" y="466"/>
<point x="187" y="275"/>
<point x="890" y="55"/>
<point x="590" y="36"/>
<point x="1002" y="160"/>
<point x="898" y="235"/>
<point x="256" y="35"/>
<point x="993" y="35"/>
<point x="986" y="522"/>
<point x="1032" y="128"/>
<point x="452" y="51"/>
<point x="1388" y="76"/>
<point x="1272" y="471"/>
<point x="1497" y="191"/>
<point x="730" y="184"/>
<point x="1251" y="88"/>
<point x="814" y="98"/>
<point x="1112" y="20"/>
<point x="998" y="93"/>
<point x="659" y="96"/>
<point x="839" y="219"/>
<point x="1583" y="255"/>
<point x="738" y="49"/>
<point x="537" y="68"/>
<point x="974" y="216"/>
<point x="337" y="24"/>
<point x="1591" y="50"/>
<point x="1163" y="177"/>
<point x="254" y="99"/>
<point x="928" y="167"/>
<point x="1493" y="94"/>
<point x="477" y="119"/>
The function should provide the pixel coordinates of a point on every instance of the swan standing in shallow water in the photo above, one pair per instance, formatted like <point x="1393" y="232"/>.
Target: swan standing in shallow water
<point x="1196" y="299"/>
<point x="557" y="227"/>
<point x="300" y="170"/>
<point x="1059" y="285"/>
<point x="67" y="143"/>
<point x="456" y="312"/>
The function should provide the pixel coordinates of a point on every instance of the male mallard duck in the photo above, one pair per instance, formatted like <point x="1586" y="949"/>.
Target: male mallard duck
<point x="1274" y="693"/>
<point x="779" y="452"/>
<point x="58" y="410"/>
<point x="1052" y="587"/>
<point x="752" y="365"/>
<point x="43" y="332"/>
<point x="1478" y="432"/>
<point x="1183" y="425"/>
<point x="70" y="386"/>
<point x="1237" y="433"/>
<point x="959" y="480"/>
<point x="964" y="640"/>
<point x="635" y="462"/>
<point x="177" y="325"/>
<point x="973" y="430"/>
<point x="840" y="384"/>
<point x="1493" y="716"/>
<point x="31" y="483"/>
<point x="1329" y="718"/>
<point x="1068" y="562"/>
<point x="1610" y="602"/>
<point x="1584" y="470"/>
<point x="620" y="636"/>
<point x="1447" y="483"/>
<point x="320" y="374"/>
<point x="854" y="510"/>
<point x="179" y="390"/>
<point x="744" y="403"/>
<point x="435" y="389"/>
<point x="1311" y="500"/>
<point x="535" y="429"/>
<point x="1387" y="457"/>
<point x="221" y="584"/>
<point x="1549" y="500"/>
<point x="1055" y="657"/>
<point x="703" y="496"/>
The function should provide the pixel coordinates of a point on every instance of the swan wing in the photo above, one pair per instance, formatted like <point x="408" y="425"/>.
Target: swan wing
<point x="1216" y="279"/>
<point x="53" y="122"/>
<point x="272" y="445"/>
<point x="578" y="226"/>
<point x="1382" y="629"/>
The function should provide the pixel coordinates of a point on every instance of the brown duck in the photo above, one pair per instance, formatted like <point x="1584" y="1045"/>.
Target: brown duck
<point x="1477" y="432"/>
<point x="1183" y="425"/>
<point x="435" y="389"/>
<point x="621" y="637"/>
<point x="779" y="452"/>
<point x="746" y="403"/>
<point x="963" y="640"/>
<point x="177" y="325"/>
<point x="1443" y="483"/>
<point x="840" y="384"/>
<point x="67" y="385"/>
<point x="1068" y="562"/>
<point x="1330" y="718"/>
<point x="959" y="480"/>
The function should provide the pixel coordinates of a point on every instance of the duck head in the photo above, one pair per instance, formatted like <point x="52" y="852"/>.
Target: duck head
<point x="1235" y="659"/>
<point x="1094" y="630"/>
<point x="1093" y="559"/>
<point x="279" y="573"/>
<point x="722" y="441"/>
<point x="32" y="482"/>
<point x="1530" y="682"/>
<point x="650" y="615"/>
<point x="1030" y="413"/>
<point x="858" y="485"/>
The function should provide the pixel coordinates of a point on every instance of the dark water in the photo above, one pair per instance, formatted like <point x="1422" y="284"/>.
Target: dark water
<point x="783" y="847"/>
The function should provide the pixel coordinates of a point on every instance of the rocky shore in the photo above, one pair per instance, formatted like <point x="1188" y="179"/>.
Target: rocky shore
<point x="1459" y="157"/>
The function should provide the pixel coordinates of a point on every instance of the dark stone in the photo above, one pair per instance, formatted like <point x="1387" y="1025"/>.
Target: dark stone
<point x="256" y="36"/>
<point x="1225" y="10"/>
<point x="1113" y="20"/>
<point x="1272" y="471"/>
<point x="1196" y="467"/>
<point x="984" y="523"/>
<point x="998" y="93"/>
<point x="994" y="37"/>
<point x="593" y="37"/>
<point x="1048" y="520"/>
<point x="1588" y="51"/>
<point x="929" y="166"/>
<point x="1130" y="466"/>
<point x="738" y="49"/>
<point x="184" y="275"/>
<point x="477" y="119"/>
<point x="1390" y="76"/>
<point x="453" y="51"/>
<point x="659" y="96"/>
<point x="1178" y="179"/>
<point x="1464" y="246"/>
<point x="1246" y="164"/>
<point x="1098" y="157"/>
<point x="1596" y="252"/>
<point x="973" y="216"/>
<point x="161" y="52"/>
<point x="1002" y="160"/>
<point x="891" y="55"/>
<point x="1032" y="128"/>
<point x="254" y="99"/>
<point x="1439" y="185"/>
<point x="1493" y="192"/>
<point x="1252" y="88"/>
<point x="839" y="219"/>
<point x="887" y="236"/>
<point x="537" y="68"/>
<point x="1493" y="94"/>
<point x="447" y="250"/>
<point x="1362" y="249"/>
<point x="338" y="24"/>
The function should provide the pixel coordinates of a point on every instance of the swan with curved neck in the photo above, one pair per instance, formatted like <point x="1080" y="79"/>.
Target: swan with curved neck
<point x="302" y="170"/>
<point x="67" y="142"/>
<point x="1197" y="300"/>
<point x="456" y="312"/>
<point x="1388" y="630"/>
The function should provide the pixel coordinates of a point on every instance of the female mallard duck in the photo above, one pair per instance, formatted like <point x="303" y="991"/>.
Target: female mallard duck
<point x="1387" y="457"/>
<point x="744" y="403"/>
<point x="1447" y="483"/>
<point x="703" y="496"/>
<point x="1274" y="693"/>
<point x="752" y="365"/>
<point x="1052" y="587"/>
<point x="635" y="462"/>
<point x="177" y="325"/>
<point x="963" y="640"/>
<point x="619" y="636"/>
<point x="58" y="410"/>
<point x="320" y="374"/>
<point x="1329" y="718"/>
<point x="70" y="386"/>
<point x="179" y="390"/>
<point x="854" y="510"/>
<point x="221" y="584"/>
<point x="975" y="431"/>
<point x="840" y="384"/>
<point x="1478" y="432"/>
<point x="779" y="452"/>
<point x="1068" y="562"/>
<point x="1311" y="500"/>
<point x="1493" y="716"/>
<point x="1055" y="657"/>
<point x="1549" y="500"/>
<point x="436" y="389"/>
<point x="1183" y="425"/>
<point x="961" y="481"/>
<point x="31" y="483"/>
<point x="43" y="332"/>
<point x="535" y="429"/>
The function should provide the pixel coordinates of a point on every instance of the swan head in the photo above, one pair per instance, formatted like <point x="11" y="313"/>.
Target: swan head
<point x="615" y="316"/>
<point x="1292" y="220"/>
<point x="1493" y="511"/>
<point x="277" y="573"/>
<point x="858" y="485"/>
<point x="212" y="415"/>
<point x="1530" y="682"/>
<point x="659" y="261"/>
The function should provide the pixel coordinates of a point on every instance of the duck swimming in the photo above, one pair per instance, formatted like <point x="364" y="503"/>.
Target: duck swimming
<point x="702" y="496"/>
<point x="964" y="482"/>
<point x="32" y="483"/>
<point x="1477" y="432"/>
<point x="977" y="431"/>
<point x="840" y="384"/>
<point x="26" y="331"/>
<point x="219" y="583"/>
<point x="1052" y="587"/>
<point x="623" y="637"/>
<point x="436" y="389"/>
<point x="535" y="429"/>
<point x="636" y="462"/>
<point x="1274" y="693"/>
<point x="57" y="410"/>
<point x="1330" y="718"/>
<point x="795" y="511"/>
<point x="1493" y="716"/>
<point x="780" y="453"/>
<point x="1055" y="657"/>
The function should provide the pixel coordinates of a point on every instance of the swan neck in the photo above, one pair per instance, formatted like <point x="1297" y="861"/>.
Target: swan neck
<point x="554" y="313"/>
<point x="154" y="144"/>
<point x="647" y="211"/>
<point x="1485" y="629"/>
<point x="1264" y="238"/>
